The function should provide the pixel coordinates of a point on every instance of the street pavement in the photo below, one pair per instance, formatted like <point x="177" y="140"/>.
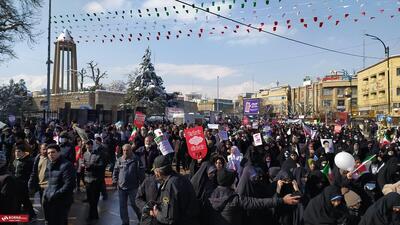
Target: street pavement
<point x="108" y="210"/>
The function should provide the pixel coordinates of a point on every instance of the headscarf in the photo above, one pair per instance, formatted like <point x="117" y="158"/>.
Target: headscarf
<point x="387" y="174"/>
<point x="381" y="213"/>
<point x="321" y="211"/>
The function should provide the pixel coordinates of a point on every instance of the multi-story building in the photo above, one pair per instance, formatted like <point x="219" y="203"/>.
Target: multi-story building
<point x="373" y="94"/>
<point x="238" y="103"/>
<point x="224" y="105"/>
<point x="275" y="100"/>
<point x="305" y="98"/>
<point x="337" y="94"/>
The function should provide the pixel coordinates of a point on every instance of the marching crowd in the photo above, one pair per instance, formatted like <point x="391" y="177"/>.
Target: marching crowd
<point x="289" y="179"/>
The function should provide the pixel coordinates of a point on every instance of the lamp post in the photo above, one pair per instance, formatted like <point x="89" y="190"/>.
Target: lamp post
<point x="388" y="71"/>
<point x="48" y="62"/>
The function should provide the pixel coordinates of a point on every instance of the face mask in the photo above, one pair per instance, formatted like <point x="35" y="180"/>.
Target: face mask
<point x="147" y="146"/>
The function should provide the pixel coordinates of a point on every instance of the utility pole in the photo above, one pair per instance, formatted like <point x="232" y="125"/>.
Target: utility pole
<point x="218" y="94"/>
<point x="48" y="60"/>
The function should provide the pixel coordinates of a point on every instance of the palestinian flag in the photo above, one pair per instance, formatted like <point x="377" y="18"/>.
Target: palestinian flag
<point x="364" y="167"/>
<point x="328" y="173"/>
<point x="133" y="134"/>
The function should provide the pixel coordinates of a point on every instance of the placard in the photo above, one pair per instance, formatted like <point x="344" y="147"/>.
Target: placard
<point x="257" y="139"/>
<point x="327" y="144"/>
<point x="139" y="119"/>
<point x="196" y="143"/>
<point x="223" y="135"/>
<point x="213" y="126"/>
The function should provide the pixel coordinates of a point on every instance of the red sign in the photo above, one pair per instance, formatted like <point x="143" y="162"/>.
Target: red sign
<point x="196" y="142"/>
<point x="139" y="119"/>
<point x="14" y="218"/>
<point x="338" y="128"/>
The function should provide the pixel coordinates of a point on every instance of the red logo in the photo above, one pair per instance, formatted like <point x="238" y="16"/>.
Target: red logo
<point x="14" y="218"/>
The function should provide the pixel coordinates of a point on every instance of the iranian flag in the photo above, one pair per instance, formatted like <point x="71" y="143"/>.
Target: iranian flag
<point x="133" y="134"/>
<point x="385" y="140"/>
<point x="328" y="172"/>
<point x="364" y="167"/>
<point x="308" y="131"/>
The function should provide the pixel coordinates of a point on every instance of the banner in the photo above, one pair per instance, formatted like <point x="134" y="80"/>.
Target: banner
<point x="213" y="126"/>
<point x="139" y="119"/>
<point x="327" y="144"/>
<point x="251" y="106"/>
<point x="171" y="111"/>
<point x="196" y="142"/>
<point x="162" y="142"/>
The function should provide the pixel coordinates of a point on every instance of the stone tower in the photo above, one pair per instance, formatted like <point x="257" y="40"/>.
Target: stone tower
<point x="65" y="77"/>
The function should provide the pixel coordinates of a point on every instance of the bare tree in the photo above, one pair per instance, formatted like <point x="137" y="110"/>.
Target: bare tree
<point x="17" y="20"/>
<point x="82" y="74"/>
<point x="96" y="75"/>
<point x="117" y="85"/>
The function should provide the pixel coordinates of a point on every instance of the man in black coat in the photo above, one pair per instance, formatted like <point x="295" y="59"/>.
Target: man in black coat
<point x="94" y="169"/>
<point x="8" y="194"/>
<point x="177" y="204"/>
<point x="58" y="196"/>
<point x="66" y="148"/>
<point x="147" y="154"/>
<point x="22" y="168"/>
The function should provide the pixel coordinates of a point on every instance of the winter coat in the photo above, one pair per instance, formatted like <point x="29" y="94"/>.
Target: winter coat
<point x="61" y="181"/>
<point x="128" y="173"/>
<point x="94" y="166"/>
<point x="227" y="208"/>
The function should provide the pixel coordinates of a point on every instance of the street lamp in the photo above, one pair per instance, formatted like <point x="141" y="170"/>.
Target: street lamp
<point x="387" y="59"/>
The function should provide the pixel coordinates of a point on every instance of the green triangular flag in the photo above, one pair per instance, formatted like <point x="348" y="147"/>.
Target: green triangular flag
<point x="230" y="6"/>
<point x="213" y="3"/>
<point x="167" y="13"/>
<point x="242" y="5"/>
<point x="219" y="8"/>
<point x="158" y="14"/>
<point x="267" y="2"/>
<point x="254" y="4"/>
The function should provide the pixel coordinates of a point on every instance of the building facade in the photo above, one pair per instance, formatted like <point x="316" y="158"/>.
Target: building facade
<point x="224" y="105"/>
<point x="374" y="92"/>
<point x="275" y="100"/>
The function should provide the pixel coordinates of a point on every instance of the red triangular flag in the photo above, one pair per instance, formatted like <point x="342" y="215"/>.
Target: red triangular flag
<point x="129" y="39"/>
<point x="305" y="25"/>
<point x="225" y="27"/>
<point x="289" y="26"/>
<point x="363" y="13"/>
<point x="158" y="38"/>
<point x="301" y="20"/>
<point x="337" y="22"/>
<point x="167" y="37"/>
<point x="169" y="32"/>
<point x="234" y="31"/>
<point x="177" y="36"/>
<point x="237" y="26"/>
<point x="287" y="21"/>
<point x="148" y="38"/>
<point x="382" y="10"/>
<point x="329" y="17"/>
<point x="199" y="35"/>
<point x="346" y="15"/>
<point x="260" y="29"/>
<point x="262" y="24"/>
<point x="321" y="24"/>
<point x="276" y="23"/>
<point x="201" y="30"/>
<point x="315" y="19"/>
<point x="355" y="20"/>
<point x="222" y="32"/>
<point x="248" y="30"/>
<point x="274" y="28"/>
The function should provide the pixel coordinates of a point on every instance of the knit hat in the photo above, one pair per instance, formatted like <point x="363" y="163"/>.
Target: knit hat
<point x="351" y="198"/>
<point x="225" y="177"/>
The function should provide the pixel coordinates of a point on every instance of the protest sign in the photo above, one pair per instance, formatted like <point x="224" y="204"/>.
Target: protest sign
<point x="213" y="126"/>
<point x="196" y="143"/>
<point x="223" y="135"/>
<point x="139" y="119"/>
<point x="251" y="106"/>
<point x="257" y="139"/>
<point x="327" y="144"/>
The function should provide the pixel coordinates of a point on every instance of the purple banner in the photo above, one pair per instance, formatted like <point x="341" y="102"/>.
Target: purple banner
<point x="251" y="106"/>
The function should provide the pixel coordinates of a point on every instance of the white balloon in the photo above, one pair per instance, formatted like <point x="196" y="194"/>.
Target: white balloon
<point x="345" y="161"/>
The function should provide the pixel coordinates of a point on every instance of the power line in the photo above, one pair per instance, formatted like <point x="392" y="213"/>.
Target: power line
<point x="273" y="34"/>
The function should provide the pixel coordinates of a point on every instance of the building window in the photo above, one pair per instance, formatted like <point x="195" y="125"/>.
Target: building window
<point x="340" y="103"/>
<point x="354" y="101"/>
<point x="373" y="76"/>
<point x="398" y="91"/>
<point x="398" y="71"/>
<point x="327" y="91"/>
<point x="381" y="74"/>
<point x="327" y="103"/>
<point x="340" y="91"/>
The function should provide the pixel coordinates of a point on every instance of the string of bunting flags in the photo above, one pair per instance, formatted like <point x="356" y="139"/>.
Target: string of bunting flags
<point x="122" y="29"/>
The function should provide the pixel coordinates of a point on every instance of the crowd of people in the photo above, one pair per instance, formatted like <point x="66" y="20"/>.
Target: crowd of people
<point x="290" y="179"/>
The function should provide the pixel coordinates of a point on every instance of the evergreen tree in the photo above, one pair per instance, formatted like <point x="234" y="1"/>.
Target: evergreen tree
<point x="14" y="98"/>
<point x="145" y="88"/>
